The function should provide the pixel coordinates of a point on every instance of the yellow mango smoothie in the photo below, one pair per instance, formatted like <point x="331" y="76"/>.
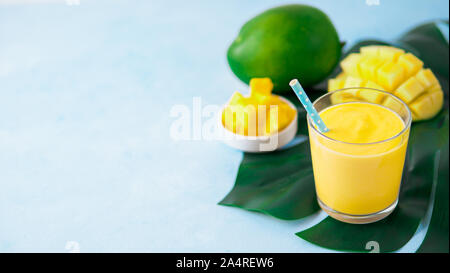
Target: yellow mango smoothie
<point x="358" y="163"/>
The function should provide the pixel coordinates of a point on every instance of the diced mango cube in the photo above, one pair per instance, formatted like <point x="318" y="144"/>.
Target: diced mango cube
<point x="233" y="118"/>
<point x="426" y="78"/>
<point x="261" y="85"/>
<point x="274" y="100"/>
<point x="237" y="99"/>
<point x="251" y="120"/>
<point x="392" y="104"/>
<point x="229" y="119"/>
<point x="241" y="116"/>
<point x="437" y="96"/>
<point x="279" y="117"/>
<point x="350" y="64"/>
<point x="353" y="82"/>
<point x="423" y="107"/>
<point x="371" y="84"/>
<point x="368" y="67"/>
<point x="261" y="90"/>
<point x="342" y="97"/>
<point x="429" y="104"/>
<point x="272" y="125"/>
<point x="390" y="75"/>
<point x="389" y="53"/>
<point x="241" y="119"/>
<point x="438" y="99"/>
<point x="370" y="95"/>
<point x="409" y="90"/>
<point x="246" y="120"/>
<point x="410" y="63"/>
<point x="371" y="51"/>
<point x="435" y="88"/>
<point x="335" y="84"/>
<point x="286" y="117"/>
<point x="260" y="98"/>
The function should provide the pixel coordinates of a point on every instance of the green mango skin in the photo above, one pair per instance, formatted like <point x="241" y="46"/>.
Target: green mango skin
<point x="283" y="43"/>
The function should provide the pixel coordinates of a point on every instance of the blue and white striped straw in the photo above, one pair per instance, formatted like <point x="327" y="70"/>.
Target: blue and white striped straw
<point x="298" y="90"/>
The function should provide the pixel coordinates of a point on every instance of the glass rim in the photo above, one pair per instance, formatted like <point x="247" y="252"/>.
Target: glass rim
<point x="407" y="125"/>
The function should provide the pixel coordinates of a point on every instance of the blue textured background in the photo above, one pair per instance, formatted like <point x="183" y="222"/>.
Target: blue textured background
<point x="85" y="97"/>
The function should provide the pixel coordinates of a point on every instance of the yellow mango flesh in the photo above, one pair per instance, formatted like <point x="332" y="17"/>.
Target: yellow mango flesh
<point x="262" y="86"/>
<point x="369" y="96"/>
<point x="335" y="84"/>
<point x="426" y="78"/>
<point x="409" y="90"/>
<point x="389" y="53"/>
<point x="389" y="69"/>
<point x="371" y="51"/>
<point x="368" y="67"/>
<point x="389" y="76"/>
<point x="350" y="64"/>
<point x="260" y="114"/>
<point x="410" y="63"/>
<point x="353" y="82"/>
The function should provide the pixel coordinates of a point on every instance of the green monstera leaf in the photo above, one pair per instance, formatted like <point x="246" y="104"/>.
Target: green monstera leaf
<point x="436" y="239"/>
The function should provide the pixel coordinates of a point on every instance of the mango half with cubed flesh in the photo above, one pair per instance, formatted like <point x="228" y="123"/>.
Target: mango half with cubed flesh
<point x="260" y="114"/>
<point x="393" y="70"/>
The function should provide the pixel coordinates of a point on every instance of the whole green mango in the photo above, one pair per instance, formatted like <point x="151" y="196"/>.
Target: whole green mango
<point x="286" y="42"/>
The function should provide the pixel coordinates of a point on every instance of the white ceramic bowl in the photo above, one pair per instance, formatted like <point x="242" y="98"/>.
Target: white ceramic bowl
<point x="257" y="144"/>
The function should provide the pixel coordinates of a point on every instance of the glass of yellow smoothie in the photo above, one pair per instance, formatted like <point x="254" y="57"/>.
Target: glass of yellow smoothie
<point x="358" y="163"/>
